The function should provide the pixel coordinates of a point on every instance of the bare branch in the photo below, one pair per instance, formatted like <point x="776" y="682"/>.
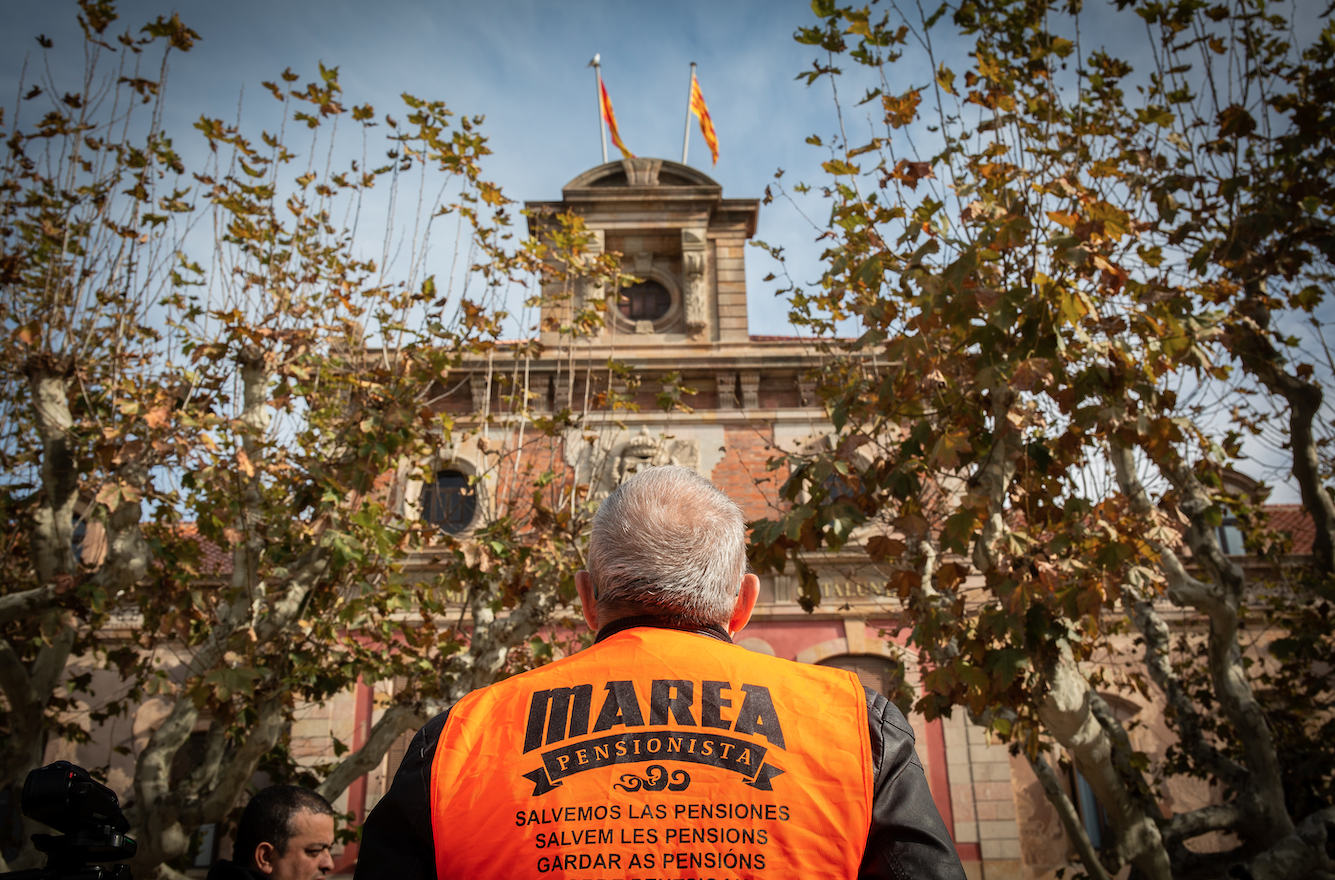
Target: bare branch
<point x="1216" y="817"/>
<point x="1121" y="755"/>
<point x="1155" y="632"/>
<point x="995" y="477"/>
<point x="53" y="521"/>
<point x="14" y="678"/>
<point x="1066" y="712"/>
<point x="1272" y="821"/>
<point x="50" y="663"/>
<point x="396" y="720"/>
<point x="1075" y="829"/>
<point x="215" y="748"/>
<point x="28" y="692"/>
<point x="14" y="606"/>
<point x="241" y="763"/>
<point x="128" y="553"/>
<point x="1249" y="339"/>
<point x="152" y="773"/>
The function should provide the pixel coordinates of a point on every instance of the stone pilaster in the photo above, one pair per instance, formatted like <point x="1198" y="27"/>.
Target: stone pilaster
<point x="696" y="290"/>
<point x="806" y="391"/>
<point x="589" y="290"/>
<point x="481" y="391"/>
<point x="561" y="391"/>
<point x="750" y="389"/>
<point x="539" y="391"/>
<point x="727" y="389"/>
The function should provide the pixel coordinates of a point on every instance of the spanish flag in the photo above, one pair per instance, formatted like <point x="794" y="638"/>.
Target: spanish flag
<point x="611" y="118"/>
<point x="701" y="111"/>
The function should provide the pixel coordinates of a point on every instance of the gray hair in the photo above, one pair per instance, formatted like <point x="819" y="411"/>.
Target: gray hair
<point x="668" y="542"/>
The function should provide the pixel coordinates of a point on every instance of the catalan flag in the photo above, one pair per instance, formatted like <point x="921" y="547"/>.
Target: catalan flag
<point x="701" y="111"/>
<point x="611" y="118"/>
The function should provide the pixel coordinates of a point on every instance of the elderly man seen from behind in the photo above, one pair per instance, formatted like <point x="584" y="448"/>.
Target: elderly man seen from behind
<point x="663" y="749"/>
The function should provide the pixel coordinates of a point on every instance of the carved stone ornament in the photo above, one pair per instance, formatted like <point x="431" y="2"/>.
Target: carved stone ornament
<point x="693" y="266"/>
<point x="604" y="459"/>
<point x="481" y="389"/>
<point x="642" y="172"/>
<point x="806" y="391"/>
<point x="646" y="450"/>
<point x="727" y="389"/>
<point x="589" y="290"/>
<point x="750" y="389"/>
<point x="561" y="391"/>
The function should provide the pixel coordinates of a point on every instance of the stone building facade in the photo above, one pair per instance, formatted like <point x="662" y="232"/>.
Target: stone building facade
<point x="752" y="396"/>
<point x="687" y="319"/>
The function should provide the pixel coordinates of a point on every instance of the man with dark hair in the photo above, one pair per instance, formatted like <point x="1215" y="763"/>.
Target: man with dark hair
<point x="664" y="750"/>
<point x="285" y="833"/>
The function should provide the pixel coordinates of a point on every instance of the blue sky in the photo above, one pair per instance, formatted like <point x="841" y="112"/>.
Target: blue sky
<point x="523" y="65"/>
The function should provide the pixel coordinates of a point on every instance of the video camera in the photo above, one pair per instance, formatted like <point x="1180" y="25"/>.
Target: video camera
<point x="89" y="817"/>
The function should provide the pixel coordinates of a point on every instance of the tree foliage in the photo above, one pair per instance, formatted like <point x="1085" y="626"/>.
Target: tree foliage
<point x="203" y="351"/>
<point x="1082" y="289"/>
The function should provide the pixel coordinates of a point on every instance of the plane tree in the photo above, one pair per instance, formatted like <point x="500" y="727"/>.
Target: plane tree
<point x="206" y="358"/>
<point x="1063" y="293"/>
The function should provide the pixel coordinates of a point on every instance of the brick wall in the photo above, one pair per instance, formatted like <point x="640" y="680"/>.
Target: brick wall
<point x="741" y="473"/>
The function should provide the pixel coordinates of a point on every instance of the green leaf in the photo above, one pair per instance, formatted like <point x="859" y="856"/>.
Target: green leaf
<point x="839" y="167"/>
<point x="958" y="272"/>
<point x="227" y="683"/>
<point x="1159" y="116"/>
<point x="945" y="78"/>
<point x="1005" y="665"/>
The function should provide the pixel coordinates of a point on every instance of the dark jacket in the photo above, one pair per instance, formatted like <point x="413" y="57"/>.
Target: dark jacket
<point x="225" y="870"/>
<point x="907" y="840"/>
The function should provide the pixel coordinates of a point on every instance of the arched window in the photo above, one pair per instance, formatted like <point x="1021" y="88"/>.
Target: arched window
<point x="875" y="672"/>
<point x="1230" y="536"/>
<point x="838" y="488"/>
<point x="78" y="538"/>
<point x="449" y="503"/>
<point x="646" y="301"/>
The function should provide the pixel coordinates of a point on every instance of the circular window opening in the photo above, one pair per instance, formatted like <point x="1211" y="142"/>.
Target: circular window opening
<point x="450" y="502"/>
<point x="646" y="301"/>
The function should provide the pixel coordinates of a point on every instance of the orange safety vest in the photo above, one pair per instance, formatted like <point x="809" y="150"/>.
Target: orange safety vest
<point x="656" y="754"/>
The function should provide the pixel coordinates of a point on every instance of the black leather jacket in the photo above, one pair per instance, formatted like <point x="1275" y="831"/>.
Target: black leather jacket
<point x="225" y="870"/>
<point x="907" y="840"/>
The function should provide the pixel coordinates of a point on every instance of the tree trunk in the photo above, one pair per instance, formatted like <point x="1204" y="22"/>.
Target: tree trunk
<point x="1089" y="857"/>
<point x="53" y="523"/>
<point x="1221" y="601"/>
<point x="164" y="817"/>
<point x="1306" y="853"/>
<point x="28" y="688"/>
<point x="995" y="475"/>
<point x="1261" y="791"/>
<point x="1248" y="338"/>
<point x="396" y="720"/>
<point x="1068" y="715"/>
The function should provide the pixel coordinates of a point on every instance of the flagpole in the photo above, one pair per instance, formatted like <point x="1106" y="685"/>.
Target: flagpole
<point x="686" y="138"/>
<point x="597" y="66"/>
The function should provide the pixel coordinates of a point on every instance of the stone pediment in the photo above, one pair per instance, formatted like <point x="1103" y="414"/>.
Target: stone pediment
<point x="641" y="173"/>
